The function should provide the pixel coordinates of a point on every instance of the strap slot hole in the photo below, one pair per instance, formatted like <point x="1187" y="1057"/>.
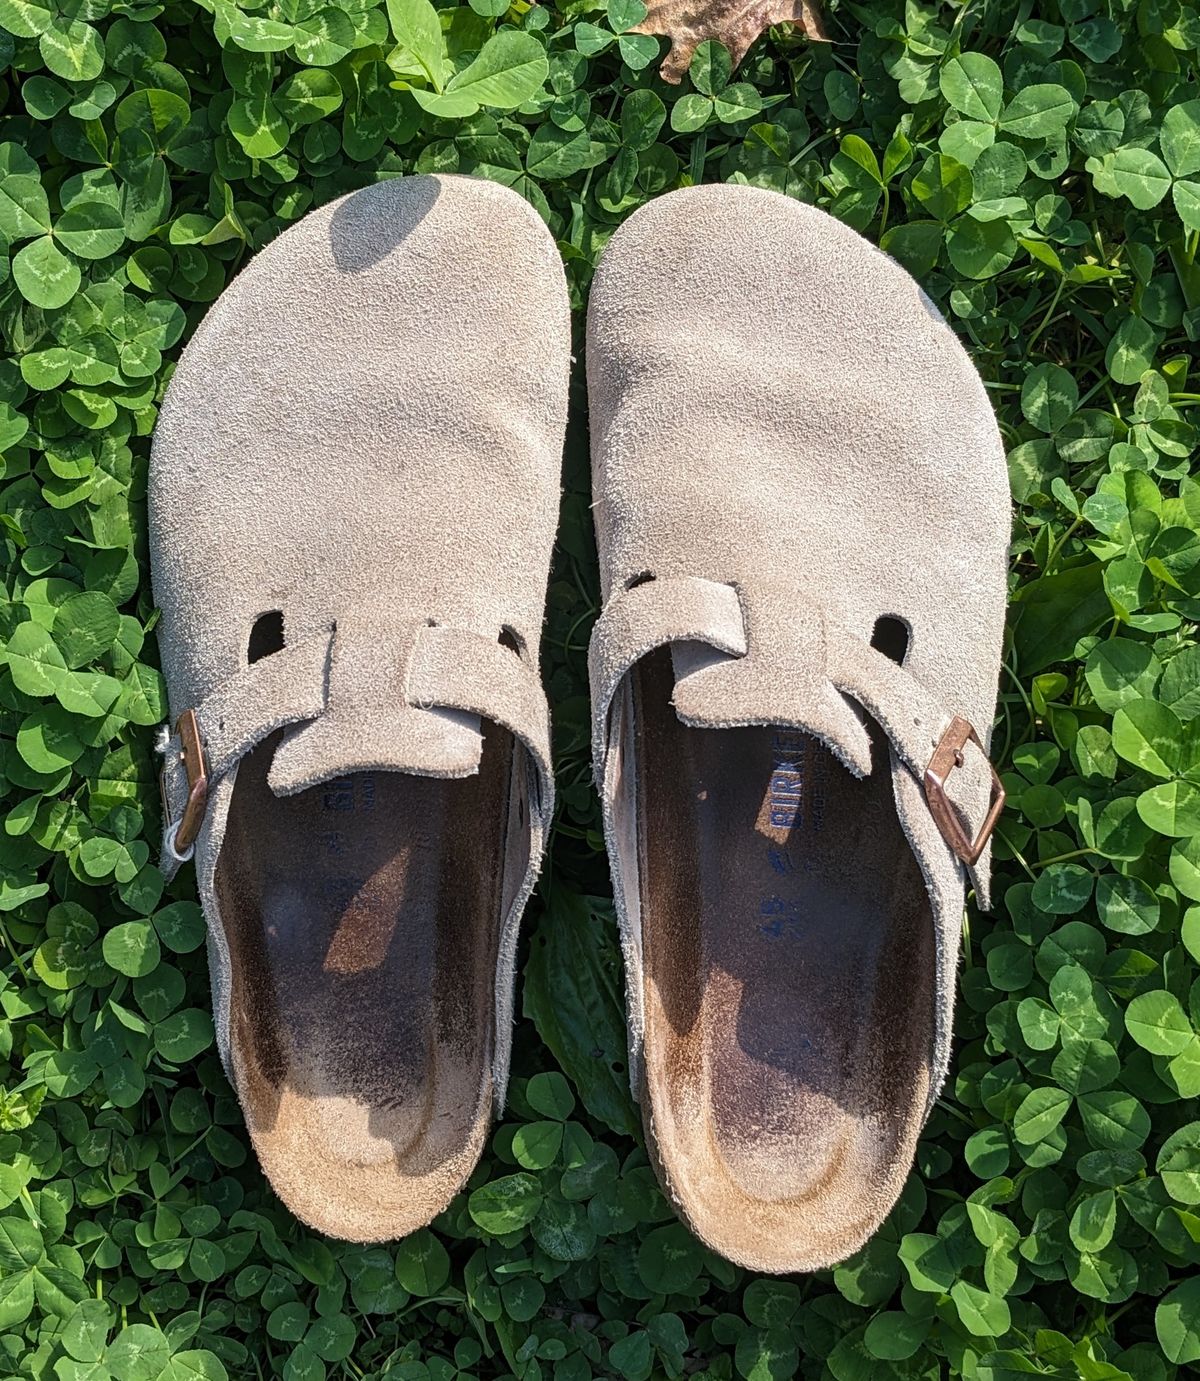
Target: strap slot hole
<point x="890" y="636"/>
<point x="266" y="637"/>
<point x="511" y="639"/>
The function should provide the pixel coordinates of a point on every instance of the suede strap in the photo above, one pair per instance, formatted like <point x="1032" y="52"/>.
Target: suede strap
<point x="368" y="695"/>
<point x="745" y="657"/>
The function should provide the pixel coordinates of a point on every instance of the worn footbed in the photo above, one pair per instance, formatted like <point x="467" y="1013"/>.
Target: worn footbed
<point x="363" y="919"/>
<point x="788" y="976"/>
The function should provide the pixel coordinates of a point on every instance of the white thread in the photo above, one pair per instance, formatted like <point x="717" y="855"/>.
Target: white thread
<point x="169" y="845"/>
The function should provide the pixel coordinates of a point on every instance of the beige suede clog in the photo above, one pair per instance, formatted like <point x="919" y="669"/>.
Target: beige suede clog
<point x="353" y="497"/>
<point x="803" y="517"/>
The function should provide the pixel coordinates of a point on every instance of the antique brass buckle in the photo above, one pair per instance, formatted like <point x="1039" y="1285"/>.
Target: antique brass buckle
<point x="946" y="757"/>
<point x="181" y="833"/>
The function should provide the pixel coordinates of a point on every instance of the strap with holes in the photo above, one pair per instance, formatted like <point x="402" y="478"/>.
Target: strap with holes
<point x="737" y="665"/>
<point x="367" y="693"/>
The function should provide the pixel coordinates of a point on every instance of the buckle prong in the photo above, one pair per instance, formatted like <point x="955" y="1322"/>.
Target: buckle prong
<point x="948" y="755"/>
<point x="183" y="832"/>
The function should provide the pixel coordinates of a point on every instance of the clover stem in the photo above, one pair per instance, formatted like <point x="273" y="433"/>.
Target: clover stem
<point x="1017" y="854"/>
<point x="579" y="622"/>
<point x="1016" y="680"/>
<point x="1045" y="321"/>
<point x="15" y="956"/>
<point x="1062" y="858"/>
<point x="1056" y="549"/>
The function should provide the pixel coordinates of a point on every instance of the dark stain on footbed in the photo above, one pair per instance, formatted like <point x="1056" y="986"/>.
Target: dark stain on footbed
<point x="789" y="946"/>
<point x="363" y="918"/>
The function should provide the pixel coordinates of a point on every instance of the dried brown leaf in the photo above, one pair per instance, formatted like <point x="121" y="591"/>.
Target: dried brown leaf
<point x="737" y="23"/>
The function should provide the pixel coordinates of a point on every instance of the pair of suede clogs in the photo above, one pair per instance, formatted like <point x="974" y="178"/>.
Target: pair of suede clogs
<point x="802" y="510"/>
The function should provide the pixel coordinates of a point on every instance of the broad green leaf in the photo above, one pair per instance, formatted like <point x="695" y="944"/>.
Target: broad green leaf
<point x="24" y="207"/>
<point x="1131" y="350"/>
<point x="577" y="1007"/>
<point x="510" y="69"/>
<point x="91" y="230"/>
<point x="1085" y="1065"/>
<point x="422" y="1265"/>
<point x="258" y="126"/>
<point x="980" y="249"/>
<point x="1179" y="138"/>
<point x="308" y="95"/>
<point x="506" y="1204"/>
<point x="33" y="658"/>
<point x="691" y="113"/>
<point x="1158" y="1023"/>
<point x="550" y="1094"/>
<point x="1120" y="671"/>
<point x="160" y="116"/>
<point x="90" y="693"/>
<point x="642" y="116"/>
<point x="47" y="741"/>
<point x="710" y="67"/>
<point x="669" y="1259"/>
<point x="1177" y="1322"/>
<point x="981" y="1313"/>
<point x="1062" y="889"/>
<point x="72" y="50"/>
<point x="973" y="85"/>
<point x="45" y="369"/>
<point x="194" y="1364"/>
<point x="1038" y="111"/>
<point x="416" y="27"/>
<point x="1039" y="1114"/>
<point x="1049" y="397"/>
<point x="85" y="1333"/>
<point x="1179" y="1164"/>
<point x="181" y="1037"/>
<point x="895" y="1336"/>
<point x="536" y="1144"/>
<point x="26" y="18"/>
<point x="13" y="428"/>
<point x="180" y="926"/>
<point x="1039" y="1023"/>
<point x="1186" y="196"/>
<point x="1126" y="905"/>
<point x="1113" y="1120"/>
<point x="1172" y="808"/>
<point x="943" y="187"/>
<point x="132" y="948"/>
<point x="324" y="38"/>
<point x="138" y="1352"/>
<point x="1140" y="176"/>
<point x="289" y="1322"/>
<point x="1150" y="736"/>
<point x="1183" y="1070"/>
<point x="44" y="274"/>
<point x="927" y="1262"/>
<point x="737" y="103"/>
<point x="1056" y="611"/>
<point x="555" y="154"/>
<point x="447" y="105"/>
<point x="256" y="33"/>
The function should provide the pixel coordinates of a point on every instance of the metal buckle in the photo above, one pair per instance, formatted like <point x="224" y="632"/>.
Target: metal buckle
<point x="182" y="833"/>
<point x="946" y="757"/>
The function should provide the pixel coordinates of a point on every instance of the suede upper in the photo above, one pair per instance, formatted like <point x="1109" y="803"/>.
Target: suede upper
<point x="365" y="434"/>
<point x="789" y="444"/>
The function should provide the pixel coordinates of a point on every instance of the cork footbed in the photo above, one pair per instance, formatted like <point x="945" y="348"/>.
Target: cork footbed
<point x="363" y="919"/>
<point x="789" y="985"/>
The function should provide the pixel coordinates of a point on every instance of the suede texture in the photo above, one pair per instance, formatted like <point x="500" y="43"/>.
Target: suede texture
<point x="365" y="434"/>
<point x="789" y="445"/>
